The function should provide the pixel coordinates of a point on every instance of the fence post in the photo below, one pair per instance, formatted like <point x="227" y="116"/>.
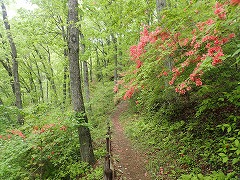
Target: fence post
<point x="108" y="171"/>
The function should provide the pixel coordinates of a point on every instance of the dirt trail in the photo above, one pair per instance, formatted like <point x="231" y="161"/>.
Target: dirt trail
<point x="129" y="163"/>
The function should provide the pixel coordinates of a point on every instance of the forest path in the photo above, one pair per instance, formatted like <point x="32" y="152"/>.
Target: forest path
<point x="128" y="162"/>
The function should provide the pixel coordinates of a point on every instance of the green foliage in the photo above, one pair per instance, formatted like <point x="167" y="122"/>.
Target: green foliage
<point x="214" y="176"/>
<point x="195" y="132"/>
<point x="8" y="116"/>
<point x="50" y="149"/>
<point x="43" y="150"/>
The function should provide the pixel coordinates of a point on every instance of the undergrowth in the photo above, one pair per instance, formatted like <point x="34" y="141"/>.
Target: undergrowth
<point x="47" y="146"/>
<point x="189" y="138"/>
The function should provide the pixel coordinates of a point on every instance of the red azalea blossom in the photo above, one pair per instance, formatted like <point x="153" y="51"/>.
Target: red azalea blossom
<point x="165" y="73"/>
<point x="193" y="40"/>
<point x="232" y="35"/>
<point x="188" y="88"/>
<point x="225" y="40"/>
<point x="183" y="42"/>
<point x="185" y="63"/>
<point x="220" y="11"/>
<point x="63" y="128"/>
<point x="216" y="60"/>
<point x="176" y="90"/>
<point x="192" y="77"/>
<point x="198" y="82"/>
<point x="235" y="2"/>
<point x="208" y="45"/>
<point x="115" y="88"/>
<point x="210" y="22"/>
<point x="139" y="63"/>
<point x="190" y="53"/>
<point x="129" y="93"/>
<point x="197" y="45"/>
<point x="182" y="91"/>
<point x="171" y="82"/>
<point x="17" y="132"/>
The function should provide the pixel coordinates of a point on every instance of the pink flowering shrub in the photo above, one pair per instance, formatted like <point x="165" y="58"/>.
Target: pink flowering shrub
<point x="190" y="50"/>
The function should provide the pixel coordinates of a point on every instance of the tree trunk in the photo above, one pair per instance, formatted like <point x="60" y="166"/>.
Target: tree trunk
<point x="160" y="4"/>
<point x="6" y="65"/>
<point x="115" y="57"/>
<point x="98" y="71"/>
<point x="86" y="149"/>
<point x="32" y="86"/>
<point x="65" y="68"/>
<point x="86" y="84"/>
<point x="1" y="102"/>
<point x="51" y="73"/>
<point x="39" y="79"/>
<point x="90" y="71"/>
<point x="85" y="72"/>
<point x="14" y="65"/>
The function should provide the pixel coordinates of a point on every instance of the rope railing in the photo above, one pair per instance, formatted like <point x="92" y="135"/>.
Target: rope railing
<point x="108" y="167"/>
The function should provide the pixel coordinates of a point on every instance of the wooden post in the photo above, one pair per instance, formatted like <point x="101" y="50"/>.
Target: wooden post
<point x="108" y="145"/>
<point x="108" y="173"/>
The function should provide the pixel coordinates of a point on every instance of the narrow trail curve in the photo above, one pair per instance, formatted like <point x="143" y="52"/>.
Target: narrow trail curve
<point x="129" y="163"/>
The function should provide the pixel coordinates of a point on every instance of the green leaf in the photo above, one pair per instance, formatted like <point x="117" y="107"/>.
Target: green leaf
<point x="231" y="139"/>
<point x="229" y="129"/>
<point x="235" y="160"/>
<point x="236" y="143"/>
<point x="220" y="99"/>
<point x="225" y="159"/>
<point x="222" y="154"/>
<point x="200" y="176"/>
<point x="236" y="52"/>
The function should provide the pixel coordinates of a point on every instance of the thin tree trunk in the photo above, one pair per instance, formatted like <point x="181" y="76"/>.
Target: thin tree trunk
<point x="9" y="71"/>
<point x="32" y="87"/>
<point x="6" y="65"/>
<point x="99" y="71"/>
<point x="86" y="149"/>
<point x="160" y="4"/>
<point x="65" y="68"/>
<point x="86" y="84"/>
<point x="90" y="71"/>
<point x="47" y="91"/>
<point x="51" y="74"/>
<point x="39" y="79"/>
<point x="85" y="72"/>
<point x="15" y="64"/>
<point x="105" y="61"/>
<point x="1" y="102"/>
<point x="115" y="57"/>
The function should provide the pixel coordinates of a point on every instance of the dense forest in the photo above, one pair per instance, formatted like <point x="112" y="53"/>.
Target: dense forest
<point x="66" y="64"/>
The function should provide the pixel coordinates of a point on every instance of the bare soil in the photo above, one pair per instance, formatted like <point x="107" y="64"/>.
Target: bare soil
<point x="129" y="163"/>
